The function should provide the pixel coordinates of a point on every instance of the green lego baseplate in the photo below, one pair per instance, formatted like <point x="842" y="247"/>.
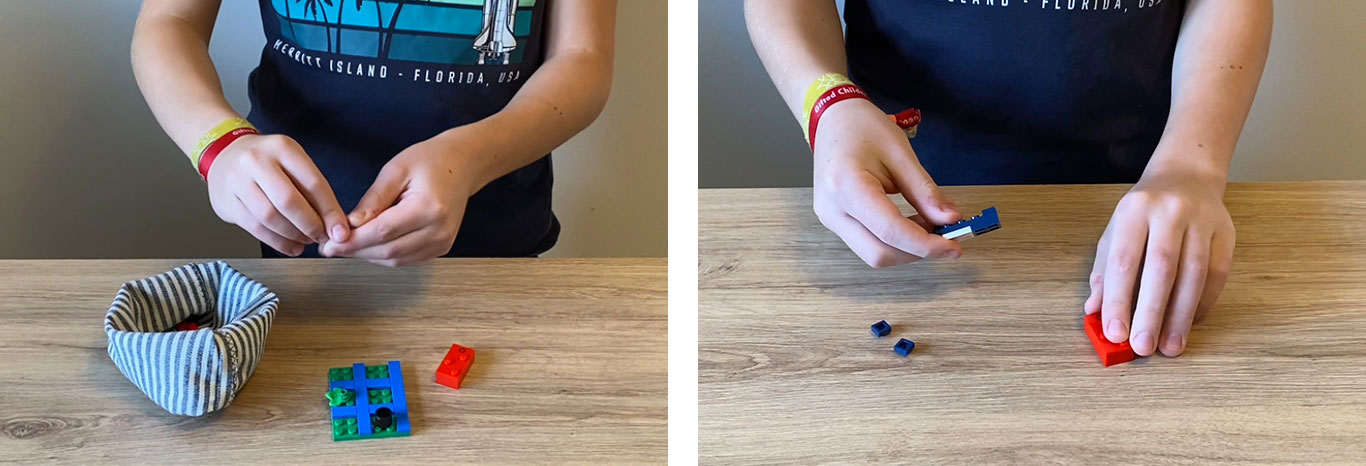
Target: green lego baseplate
<point x="348" y="428"/>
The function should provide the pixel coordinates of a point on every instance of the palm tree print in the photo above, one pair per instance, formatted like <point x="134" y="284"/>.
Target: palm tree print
<point x="388" y="37"/>
<point x="312" y="7"/>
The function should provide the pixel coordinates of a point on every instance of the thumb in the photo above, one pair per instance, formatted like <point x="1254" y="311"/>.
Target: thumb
<point x="382" y="195"/>
<point x="922" y="193"/>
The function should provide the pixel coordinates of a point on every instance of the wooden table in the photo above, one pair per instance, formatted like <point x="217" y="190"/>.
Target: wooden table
<point x="1002" y="373"/>
<point x="571" y="365"/>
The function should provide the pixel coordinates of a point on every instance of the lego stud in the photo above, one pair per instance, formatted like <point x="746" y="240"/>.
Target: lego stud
<point x="904" y="347"/>
<point x="384" y="417"/>
<point x="881" y="329"/>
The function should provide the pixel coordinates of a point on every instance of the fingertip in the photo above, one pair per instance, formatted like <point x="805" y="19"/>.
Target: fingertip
<point x="1092" y="305"/>
<point x="1116" y="331"/>
<point x="939" y="215"/>
<point x="357" y="218"/>
<point x="331" y="250"/>
<point x="1174" y="346"/>
<point x="955" y="252"/>
<point x="1143" y="343"/>
<point x="340" y="232"/>
<point x="951" y="211"/>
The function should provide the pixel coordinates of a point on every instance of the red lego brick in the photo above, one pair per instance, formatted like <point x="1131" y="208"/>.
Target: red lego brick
<point x="1110" y="353"/>
<point x="454" y="367"/>
<point x="186" y="326"/>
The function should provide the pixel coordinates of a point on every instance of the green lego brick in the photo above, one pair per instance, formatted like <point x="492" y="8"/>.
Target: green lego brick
<point x="376" y="372"/>
<point x="345" y="429"/>
<point x="339" y="373"/>
<point x="381" y="396"/>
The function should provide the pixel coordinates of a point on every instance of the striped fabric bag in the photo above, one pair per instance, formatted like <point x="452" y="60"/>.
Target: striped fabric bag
<point x="191" y="372"/>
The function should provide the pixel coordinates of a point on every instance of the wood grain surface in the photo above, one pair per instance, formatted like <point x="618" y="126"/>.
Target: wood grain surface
<point x="1002" y="372"/>
<point x="571" y="365"/>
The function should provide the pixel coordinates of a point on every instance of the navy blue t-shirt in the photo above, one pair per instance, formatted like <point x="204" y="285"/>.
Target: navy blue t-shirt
<point x="1021" y="91"/>
<point x="355" y="82"/>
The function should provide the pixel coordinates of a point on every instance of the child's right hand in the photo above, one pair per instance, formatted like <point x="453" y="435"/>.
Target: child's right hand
<point x="268" y="186"/>
<point x="861" y="156"/>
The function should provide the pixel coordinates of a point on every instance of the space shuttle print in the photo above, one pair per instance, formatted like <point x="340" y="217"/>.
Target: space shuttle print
<point x="496" y="42"/>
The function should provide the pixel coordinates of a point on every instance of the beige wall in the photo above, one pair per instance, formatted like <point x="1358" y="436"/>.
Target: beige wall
<point x="1307" y="122"/>
<point x="85" y="172"/>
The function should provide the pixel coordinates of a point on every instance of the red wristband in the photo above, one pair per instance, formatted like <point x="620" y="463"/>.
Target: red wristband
<point x="835" y="94"/>
<point x="210" y="153"/>
<point x="907" y="119"/>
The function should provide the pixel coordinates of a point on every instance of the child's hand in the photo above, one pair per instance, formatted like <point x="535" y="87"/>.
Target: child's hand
<point x="860" y="157"/>
<point x="269" y="187"/>
<point x="413" y="211"/>
<point x="1174" y="228"/>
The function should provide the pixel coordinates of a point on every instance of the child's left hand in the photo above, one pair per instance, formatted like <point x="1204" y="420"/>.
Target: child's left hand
<point x="413" y="211"/>
<point x="1174" y="228"/>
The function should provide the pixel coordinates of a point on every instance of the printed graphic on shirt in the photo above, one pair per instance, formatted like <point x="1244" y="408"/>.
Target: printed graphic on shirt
<point x="1121" y="6"/>
<point x="444" y="32"/>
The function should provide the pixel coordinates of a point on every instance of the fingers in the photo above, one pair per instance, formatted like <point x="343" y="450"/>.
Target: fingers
<point x="320" y="196"/>
<point x="865" y="201"/>
<point x="244" y="219"/>
<point x="1155" y="287"/>
<point x="263" y="211"/>
<point x="290" y="203"/>
<point x="921" y="191"/>
<point x="382" y="195"/>
<point x="1190" y="285"/>
<point x="1122" y="261"/>
<point x="412" y="248"/>
<point x="872" y="250"/>
<point x="1220" y="262"/>
<point x="1097" y="279"/>
<point x="390" y="225"/>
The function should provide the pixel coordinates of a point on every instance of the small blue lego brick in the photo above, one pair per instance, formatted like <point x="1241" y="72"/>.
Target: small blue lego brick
<point x="881" y="329"/>
<point x="904" y="347"/>
<point x="978" y="225"/>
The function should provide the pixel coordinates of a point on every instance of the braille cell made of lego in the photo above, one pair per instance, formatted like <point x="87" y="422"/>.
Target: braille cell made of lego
<point x="381" y="412"/>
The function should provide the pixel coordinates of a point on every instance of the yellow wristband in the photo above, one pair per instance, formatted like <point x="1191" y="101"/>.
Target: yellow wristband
<point x="218" y="131"/>
<point x="814" y="91"/>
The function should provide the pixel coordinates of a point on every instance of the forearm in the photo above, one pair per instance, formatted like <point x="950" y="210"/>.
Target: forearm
<point x="561" y="99"/>
<point x="1219" y="60"/>
<point x="797" y="41"/>
<point x="558" y="101"/>
<point x="170" y="54"/>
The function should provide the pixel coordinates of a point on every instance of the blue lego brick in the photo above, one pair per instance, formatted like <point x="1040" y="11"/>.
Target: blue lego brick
<point x="978" y="225"/>
<point x="881" y="329"/>
<point x="360" y="394"/>
<point x="904" y="347"/>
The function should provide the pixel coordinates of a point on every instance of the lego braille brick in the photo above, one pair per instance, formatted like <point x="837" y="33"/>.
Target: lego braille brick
<point x="978" y="225"/>
<point x="454" y="366"/>
<point x="1109" y="353"/>
<point x="881" y="329"/>
<point x="904" y="347"/>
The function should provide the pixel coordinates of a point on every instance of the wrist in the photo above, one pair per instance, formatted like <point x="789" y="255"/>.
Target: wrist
<point x="467" y="156"/>
<point x="216" y="140"/>
<point x="1187" y="166"/>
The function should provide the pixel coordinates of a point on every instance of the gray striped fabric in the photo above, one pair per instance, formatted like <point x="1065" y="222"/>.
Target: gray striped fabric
<point x="190" y="372"/>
